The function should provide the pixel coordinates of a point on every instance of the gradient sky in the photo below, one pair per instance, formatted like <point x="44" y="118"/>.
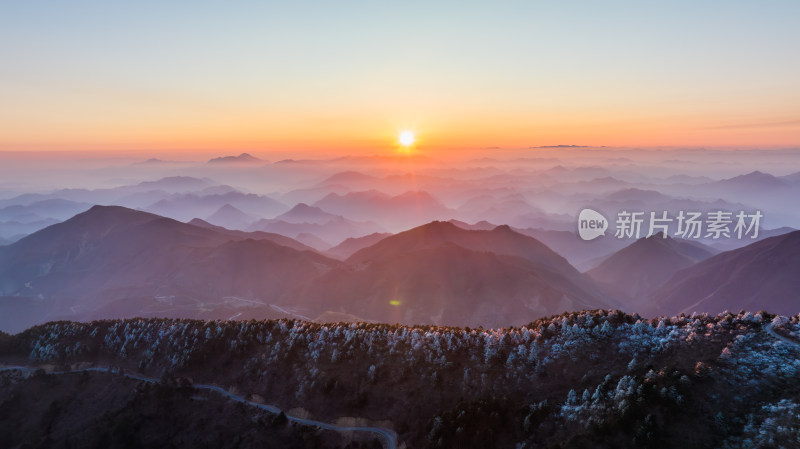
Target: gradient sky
<point x="347" y="76"/>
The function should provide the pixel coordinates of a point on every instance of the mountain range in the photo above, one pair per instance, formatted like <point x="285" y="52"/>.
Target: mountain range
<point x="315" y="226"/>
<point x="112" y="261"/>
<point x="186" y="206"/>
<point x="398" y="212"/>
<point x="115" y="195"/>
<point x="439" y="273"/>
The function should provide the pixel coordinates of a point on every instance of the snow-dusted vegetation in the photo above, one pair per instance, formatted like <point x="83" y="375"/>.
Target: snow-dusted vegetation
<point x="580" y="379"/>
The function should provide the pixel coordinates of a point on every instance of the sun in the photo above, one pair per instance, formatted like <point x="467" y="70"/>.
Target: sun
<point x="406" y="138"/>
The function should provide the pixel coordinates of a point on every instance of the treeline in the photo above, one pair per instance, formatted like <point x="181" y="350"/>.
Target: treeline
<point x="583" y="379"/>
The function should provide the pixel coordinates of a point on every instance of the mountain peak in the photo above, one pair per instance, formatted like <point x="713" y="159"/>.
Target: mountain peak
<point x="175" y="182"/>
<point x="228" y="210"/>
<point x="755" y="177"/>
<point x="503" y="228"/>
<point x="244" y="158"/>
<point x="230" y="217"/>
<point x="100" y="211"/>
<point x="303" y="207"/>
<point x="659" y="236"/>
<point x="303" y="213"/>
<point x="642" y="266"/>
<point x="502" y="240"/>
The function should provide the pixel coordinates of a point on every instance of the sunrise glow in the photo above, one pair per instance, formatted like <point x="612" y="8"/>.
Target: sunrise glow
<point x="118" y="78"/>
<point x="393" y="225"/>
<point x="406" y="139"/>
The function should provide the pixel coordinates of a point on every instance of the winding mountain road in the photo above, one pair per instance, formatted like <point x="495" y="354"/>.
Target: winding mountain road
<point x="769" y="328"/>
<point x="387" y="436"/>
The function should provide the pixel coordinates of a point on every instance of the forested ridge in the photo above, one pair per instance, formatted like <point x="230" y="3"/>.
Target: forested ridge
<point x="583" y="379"/>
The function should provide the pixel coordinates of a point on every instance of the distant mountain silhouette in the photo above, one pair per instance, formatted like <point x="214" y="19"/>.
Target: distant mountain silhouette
<point x="572" y="174"/>
<point x="58" y="209"/>
<point x="254" y="235"/>
<point x="756" y="187"/>
<point x="636" y="270"/>
<point x="230" y="217"/>
<point x="562" y="146"/>
<point x="511" y="209"/>
<point x="13" y="230"/>
<point x="123" y="195"/>
<point x="313" y="194"/>
<point x="752" y="191"/>
<point x="479" y="226"/>
<point x="113" y="261"/>
<point x="243" y="158"/>
<point x="688" y="179"/>
<point x="153" y="160"/>
<point x="117" y="262"/>
<point x="175" y="184"/>
<point x="501" y="240"/>
<point x="335" y="229"/>
<point x="580" y="253"/>
<point x="184" y="207"/>
<point x="392" y="184"/>
<point x="398" y="212"/>
<point x="735" y="243"/>
<point x="642" y="200"/>
<point x="763" y="275"/>
<point x="793" y="178"/>
<point x="303" y="213"/>
<point x="441" y="274"/>
<point x="753" y="180"/>
<point x="313" y="241"/>
<point x="349" y="246"/>
<point x="216" y="190"/>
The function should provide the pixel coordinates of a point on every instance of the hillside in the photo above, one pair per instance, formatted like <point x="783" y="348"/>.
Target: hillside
<point x="112" y="262"/>
<point x="599" y="379"/>
<point x="452" y="285"/>
<point x="230" y="217"/>
<point x="442" y="274"/>
<point x="762" y="275"/>
<point x="636" y="270"/>
<point x="351" y="245"/>
<point x="92" y="410"/>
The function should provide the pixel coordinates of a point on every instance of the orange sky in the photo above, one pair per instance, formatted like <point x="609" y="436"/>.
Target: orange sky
<point x="348" y="77"/>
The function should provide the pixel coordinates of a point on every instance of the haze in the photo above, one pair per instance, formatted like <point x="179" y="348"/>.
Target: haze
<point x="481" y="238"/>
